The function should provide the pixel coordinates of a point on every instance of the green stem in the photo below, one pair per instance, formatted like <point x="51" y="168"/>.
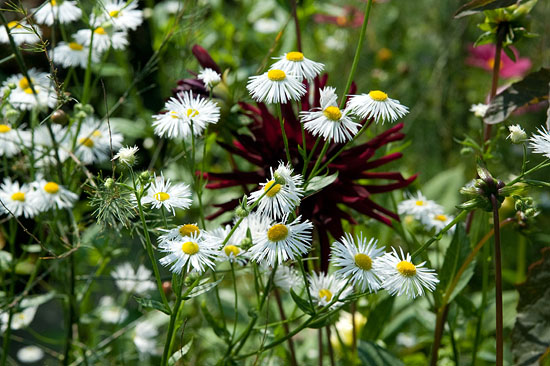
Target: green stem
<point x="309" y="156"/>
<point x="318" y="161"/>
<point x="302" y="269"/>
<point x="88" y="73"/>
<point x="483" y="305"/>
<point x="6" y="343"/>
<point x="235" y="295"/>
<point x="283" y="132"/>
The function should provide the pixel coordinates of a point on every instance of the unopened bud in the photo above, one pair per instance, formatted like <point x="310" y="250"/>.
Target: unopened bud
<point x="145" y="176"/>
<point x="241" y="212"/>
<point x="246" y="243"/>
<point x="517" y="134"/>
<point x="109" y="183"/>
<point x="279" y="179"/>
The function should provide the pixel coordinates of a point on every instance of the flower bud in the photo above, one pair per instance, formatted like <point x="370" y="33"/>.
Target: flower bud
<point x="145" y="176"/>
<point x="241" y="212"/>
<point x="59" y="117"/>
<point x="109" y="182"/>
<point x="279" y="179"/>
<point x="517" y="134"/>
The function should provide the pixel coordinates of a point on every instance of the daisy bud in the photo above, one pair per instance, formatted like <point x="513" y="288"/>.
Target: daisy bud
<point x="81" y="115"/>
<point x="246" y="243"/>
<point x="241" y="212"/>
<point x="127" y="155"/>
<point x="11" y="114"/>
<point x="109" y="183"/>
<point x="279" y="179"/>
<point x="12" y="86"/>
<point x="517" y="134"/>
<point x="145" y="176"/>
<point x="530" y="212"/>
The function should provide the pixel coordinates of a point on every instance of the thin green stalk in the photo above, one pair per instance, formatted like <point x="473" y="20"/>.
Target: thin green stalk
<point x="357" y="53"/>
<point x="236" y="304"/>
<point x="7" y="333"/>
<point x="304" y="275"/>
<point x="195" y="179"/>
<point x="88" y="72"/>
<point x="483" y="305"/>
<point x="219" y="300"/>
<point x="309" y="156"/>
<point x="318" y="161"/>
<point x="283" y="132"/>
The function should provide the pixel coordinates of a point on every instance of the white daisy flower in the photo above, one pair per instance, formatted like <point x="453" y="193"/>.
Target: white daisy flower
<point x="479" y="109"/>
<point x="192" y="252"/>
<point x="275" y="86"/>
<point x="94" y="141"/>
<point x="184" y="111"/>
<point x="64" y="11"/>
<point x="162" y="193"/>
<point x="145" y="338"/>
<point x="103" y="39"/>
<point x="178" y="233"/>
<point x="517" y="134"/>
<point x="72" y="54"/>
<point x="280" y="199"/>
<point x="329" y="121"/>
<point x="11" y="140"/>
<point x="23" y="97"/>
<point x="377" y="105"/>
<point x="124" y="15"/>
<point x="356" y="258"/>
<point x="17" y="199"/>
<point x="400" y="276"/>
<point x="540" y="143"/>
<point x="282" y="242"/>
<point x="127" y="155"/>
<point x="438" y="221"/>
<point x="131" y="281"/>
<point x="209" y="77"/>
<point x="50" y="195"/>
<point x="323" y="287"/>
<point x="18" y="320"/>
<point x="295" y="64"/>
<point x="419" y="207"/>
<point x="30" y="354"/>
<point x="110" y="312"/>
<point x="286" y="277"/>
<point x="21" y="32"/>
<point x="254" y="223"/>
<point x="231" y="252"/>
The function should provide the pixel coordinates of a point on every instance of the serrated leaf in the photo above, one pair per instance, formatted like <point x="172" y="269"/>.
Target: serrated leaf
<point x="203" y="288"/>
<point x="320" y="182"/>
<point x="152" y="304"/>
<point x="533" y="88"/>
<point x="176" y="356"/>
<point x="476" y="6"/>
<point x="301" y="303"/>
<point x="377" y="318"/>
<point x="531" y="334"/>
<point x="373" y="355"/>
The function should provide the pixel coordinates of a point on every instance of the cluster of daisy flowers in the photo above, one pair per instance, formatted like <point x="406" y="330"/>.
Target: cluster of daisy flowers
<point x="286" y="81"/>
<point x="429" y="213"/>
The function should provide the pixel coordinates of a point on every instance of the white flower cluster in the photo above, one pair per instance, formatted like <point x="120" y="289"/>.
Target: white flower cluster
<point x="430" y="214"/>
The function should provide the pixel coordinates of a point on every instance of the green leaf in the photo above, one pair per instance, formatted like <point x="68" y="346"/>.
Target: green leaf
<point x="152" y="304"/>
<point x="320" y="182"/>
<point x="202" y="288"/>
<point x="301" y="303"/>
<point x="372" y="354"/>
<point x="324" y="321"/>
<point x="531" y="334"/>
<point x="377" y="318"/>
<point x="176" y="356"/>
<point x="476" y="6"/>
<point x="532" y="89"/>
<point x="445" y="185"/>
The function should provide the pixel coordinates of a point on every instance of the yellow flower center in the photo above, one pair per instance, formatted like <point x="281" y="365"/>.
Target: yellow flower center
<point x="406" y="268"/>
<point x="277" y="232"/>
<point x="14" y="24"/>
<point x="174" y="114"/>
<point x="76" y="46"/>
<point x="295" y="56"/>
<point x="24" y="83"/>
<point x="231" y="249"/>
<point x="276" y="75"/>
<point x="326" y="294"/>
<point x="53" y="2"/>
<point x="5" y="128"/>
<point x="192" y="113"/>
<point x="419" y="203"/>
<point x="51" y="187"/>
<point x="441" y="218"/>
<point x="29" y="90"/>
<point x="18" y="196"/>
<point x="96" y="133"/>
<point x="273" y="191"/>
<point x="100" y="30"/>
<point x="363" y="261"/>
<point x="189" y="229"/>
<point x="161" y="196"/>
<point x="333" y="113"/>
<point x="378" y="95"/>
<point x="86" y="141"/>
<point x="190" y="248"/>
<point x="114" y="13"/>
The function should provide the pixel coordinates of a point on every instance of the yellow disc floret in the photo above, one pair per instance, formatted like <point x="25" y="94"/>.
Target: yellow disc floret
<point x="363" y="261"/>
<point x="419" y="203"/>
<point x="276" y="75"/>
<point x="189" y="229"/>
<point x="4" y="128"/>
<point x="29" y="90"/>
<point x="76" y="46"/>
<point x="333" y="113"/>
<point x="161" y="196"/>
<point x="86" y="141"/>
<point x="100" y="30"/>
<point x="14" y="24"/>
<point x="378" y="95"/>
<point x="24" y="83"/>
<point x="406" y="268"/>
<point x="273" y="191"/>
<point x="18" y="196"/>
<point x="53" y="2"/>
<point x="295" y="56"/>
<point x="231" y="249"/>
<point x="326" y="294"/>
<point x="114" y="13"/>
<point x="190" y="248"/>
<point x="277" y="232"/>
<point x="441" y="218"/>
<point x="192" y="113"/>
<point x="51" y="187"/>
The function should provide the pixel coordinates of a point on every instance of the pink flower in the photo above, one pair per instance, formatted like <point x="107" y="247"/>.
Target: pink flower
<point x="484" y="56"/>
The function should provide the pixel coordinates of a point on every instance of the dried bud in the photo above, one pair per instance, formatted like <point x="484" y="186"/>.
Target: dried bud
<point x="59" y="117"/>
<point x="167" y="287"/>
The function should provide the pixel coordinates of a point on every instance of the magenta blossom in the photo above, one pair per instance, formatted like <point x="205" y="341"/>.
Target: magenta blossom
<point x="484" y="56"/>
